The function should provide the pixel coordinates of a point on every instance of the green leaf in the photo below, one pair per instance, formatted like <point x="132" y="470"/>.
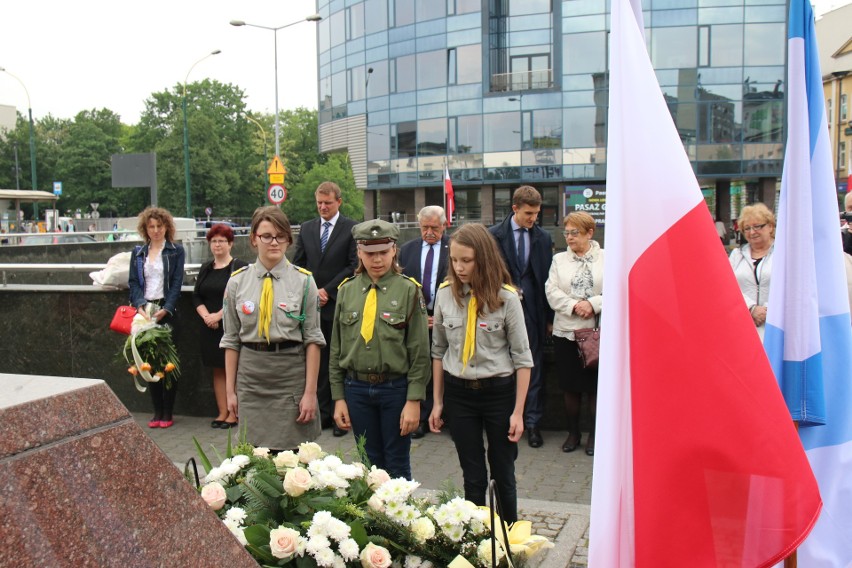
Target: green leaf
<point x="258" y="535"/>
<point x="202" y="456"/>
<point x="358" y="533"/>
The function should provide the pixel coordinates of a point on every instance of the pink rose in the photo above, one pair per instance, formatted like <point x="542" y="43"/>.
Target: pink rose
<point x="377" y="477"/>
<point x="283" y="542"/>
<point x="375" y="556"/>
<point x="297" y="481"/>
<point x="214" y="495"/>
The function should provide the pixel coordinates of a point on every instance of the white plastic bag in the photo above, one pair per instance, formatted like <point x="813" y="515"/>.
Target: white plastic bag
<point x="116" y="274"/>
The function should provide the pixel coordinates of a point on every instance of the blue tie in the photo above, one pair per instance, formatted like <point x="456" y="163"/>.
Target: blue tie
<point x="522" y="256"/>
<point x="324" y="238"/>
<point x="427" y="276"/>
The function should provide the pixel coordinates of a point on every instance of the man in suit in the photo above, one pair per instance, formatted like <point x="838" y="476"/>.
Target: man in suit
<point x="528" y="252"/>
<point x="325" y="247"/>
<point x="425" y="260"/>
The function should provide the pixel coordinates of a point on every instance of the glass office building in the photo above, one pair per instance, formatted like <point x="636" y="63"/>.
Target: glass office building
<point x="510" y="92"/>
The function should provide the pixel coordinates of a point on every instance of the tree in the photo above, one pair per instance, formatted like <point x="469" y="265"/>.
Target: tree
<point x="301" y="206"/>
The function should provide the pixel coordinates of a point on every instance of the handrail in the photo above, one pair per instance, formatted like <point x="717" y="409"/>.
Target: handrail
<point x="190" y="269"/>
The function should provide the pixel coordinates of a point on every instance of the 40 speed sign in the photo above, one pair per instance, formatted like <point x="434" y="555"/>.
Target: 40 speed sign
<point x="277" y="194"/>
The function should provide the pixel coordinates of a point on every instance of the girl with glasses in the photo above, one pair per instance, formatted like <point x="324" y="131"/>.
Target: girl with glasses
<point x="272" y="341"/>
<point x="207" y="298"/>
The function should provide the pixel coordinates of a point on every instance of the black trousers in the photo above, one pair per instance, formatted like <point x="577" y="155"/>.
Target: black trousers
<point x="469" y="412"/>
<point x="326" y="410"/>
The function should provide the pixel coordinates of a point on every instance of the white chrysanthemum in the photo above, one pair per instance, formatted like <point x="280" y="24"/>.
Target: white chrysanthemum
<point x="338" y="530"/>
<point x="402" y="513"/>
<point x="321" y="519"/>
<point x="240" y="460"/>
<point x="397" y="489"/>
<point x="349" y="550"/>
<point x="229" y="468"/>
<point x="236" y="530"/>
<point x="236" y="514"/>
<point x="324" y="557"/>
<point x="338" y="562"/>
<point x="483" y="551"/>
<point x="416" y="562"/>
<point x="317" y="543"/>
<point x="215" y="474"/>
<point x="454" y="532"/>
<point x="348" y="471"/>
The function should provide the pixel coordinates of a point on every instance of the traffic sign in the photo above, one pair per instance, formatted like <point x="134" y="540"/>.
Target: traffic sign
<point x="277" y="194"/>
<point x="57" y="188"/>
<point x="276" y="171"/>
<point x="208" y="211"/>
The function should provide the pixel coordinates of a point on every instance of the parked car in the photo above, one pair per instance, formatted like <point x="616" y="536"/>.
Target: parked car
<point x="56" y="239"/>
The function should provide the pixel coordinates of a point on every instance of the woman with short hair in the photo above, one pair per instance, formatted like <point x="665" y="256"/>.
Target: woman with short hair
<point x="752" y="262"/>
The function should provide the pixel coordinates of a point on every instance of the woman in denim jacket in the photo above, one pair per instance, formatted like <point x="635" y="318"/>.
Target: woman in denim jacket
<point x="156" y="276"/>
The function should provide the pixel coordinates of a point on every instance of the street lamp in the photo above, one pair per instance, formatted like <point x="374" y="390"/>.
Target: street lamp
<point x="265" y="150"/>
<point x="186" y="135"/>
<point x="238" y="23"/>
<point x="32" y="137"/>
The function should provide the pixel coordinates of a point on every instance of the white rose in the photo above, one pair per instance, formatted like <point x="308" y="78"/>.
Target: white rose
<point x="377" y="477"/>
<point x="286" y="459"/>
<point x="376" y="503"/>
<point x="423" y="529"/>
<point x="214" y="495"/>
<point x="375" y="556"/>
<point x="309" y="451"/>
<point x="483" y="551"/>
<point x="284" y="542"/>
<point x="261" y="452"/>
<point x="297" y="481"/>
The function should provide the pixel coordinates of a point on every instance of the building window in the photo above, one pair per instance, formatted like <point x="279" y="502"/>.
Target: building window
<point x="355" y="21"/>
<point x="841" y="155"/>
<point x="402" y="75"/>
<point x="520" y="43"/>
<point x="843" y="108"/>
<point x="829" y="109"/>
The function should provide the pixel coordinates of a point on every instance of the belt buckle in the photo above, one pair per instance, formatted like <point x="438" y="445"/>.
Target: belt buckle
<point x="374" y="378"/>
<point x="475" y="384"/>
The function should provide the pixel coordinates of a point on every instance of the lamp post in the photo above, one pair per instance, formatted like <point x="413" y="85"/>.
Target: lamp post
<point x="238" y="23"/>
<point x="265" y="151"/>
<point x="32" y="138"/>
<point x="186" y="136"/>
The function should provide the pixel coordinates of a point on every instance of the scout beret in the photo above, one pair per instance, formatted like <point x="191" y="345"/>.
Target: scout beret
<point x="375" y="235"/>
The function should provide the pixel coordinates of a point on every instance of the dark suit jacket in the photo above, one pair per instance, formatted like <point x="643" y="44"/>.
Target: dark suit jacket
<point x="409" y="259"/>
<point x="540" y="258"/>
<point x="332" y="266"/>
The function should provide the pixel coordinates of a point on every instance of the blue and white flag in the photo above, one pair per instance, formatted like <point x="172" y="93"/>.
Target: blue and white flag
<point x="808" y="334"/>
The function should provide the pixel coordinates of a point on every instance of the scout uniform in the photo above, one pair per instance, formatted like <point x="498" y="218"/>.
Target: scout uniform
<point x="479" y="355"/>
<point x="394" y="361"/>
<point x="271" y="369"/>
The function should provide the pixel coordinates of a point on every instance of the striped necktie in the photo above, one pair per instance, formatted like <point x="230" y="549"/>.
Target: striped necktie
<point x="324" y="238"/>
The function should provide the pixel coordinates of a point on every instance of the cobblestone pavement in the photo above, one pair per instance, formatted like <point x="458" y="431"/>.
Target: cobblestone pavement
<point x="554" y="488"/>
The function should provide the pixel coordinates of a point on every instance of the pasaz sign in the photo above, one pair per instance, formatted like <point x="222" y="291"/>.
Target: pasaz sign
<point x="277" y="194"/>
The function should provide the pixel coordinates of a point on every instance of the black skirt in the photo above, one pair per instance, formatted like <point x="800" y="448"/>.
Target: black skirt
<point x="570" y="372"/>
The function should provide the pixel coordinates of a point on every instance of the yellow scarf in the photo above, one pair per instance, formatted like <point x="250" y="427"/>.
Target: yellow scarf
<point x="368" y="320"/>
<point x="265" y="317"/>
<point x="469" y="333"/>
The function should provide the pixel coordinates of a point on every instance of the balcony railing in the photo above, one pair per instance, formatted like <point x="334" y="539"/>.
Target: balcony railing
<point x="522" y="81"/>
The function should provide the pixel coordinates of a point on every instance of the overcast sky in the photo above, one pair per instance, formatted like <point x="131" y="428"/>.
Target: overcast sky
<point x="75" y="56"/>
<point x="87" y="54"/>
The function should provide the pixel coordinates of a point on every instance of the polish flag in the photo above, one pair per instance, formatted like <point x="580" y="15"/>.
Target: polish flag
<point x="449" y="196"/>
<point x="697" y="460"/>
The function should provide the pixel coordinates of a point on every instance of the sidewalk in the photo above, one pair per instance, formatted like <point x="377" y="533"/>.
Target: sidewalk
<point x="554" y="488"/>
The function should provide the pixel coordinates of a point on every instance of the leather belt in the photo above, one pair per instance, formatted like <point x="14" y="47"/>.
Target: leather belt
<point x="375" y="378"/>
<point x="479" y="384"/>
<point x="272" y="347"/>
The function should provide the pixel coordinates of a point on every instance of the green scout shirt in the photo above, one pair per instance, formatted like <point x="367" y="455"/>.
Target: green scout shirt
<point x="241" y="307"/>
<point x="400" y="343"/>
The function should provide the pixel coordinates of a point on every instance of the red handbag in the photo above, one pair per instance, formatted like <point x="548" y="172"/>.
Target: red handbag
<point x="123" y="319"/>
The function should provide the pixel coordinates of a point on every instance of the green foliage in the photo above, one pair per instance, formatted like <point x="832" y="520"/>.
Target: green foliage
<point x="301" y="205"/>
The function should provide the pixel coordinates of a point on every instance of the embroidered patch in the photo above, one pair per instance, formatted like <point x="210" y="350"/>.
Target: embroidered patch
<point x="394" y="303"/>
<point x="282" y="305"/>
<point x="385" y="315"/>
<point x="248" y="307"/>
<point x="483" y="325"/>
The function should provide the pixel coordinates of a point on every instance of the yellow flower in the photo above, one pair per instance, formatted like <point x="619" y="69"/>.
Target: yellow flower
<point x="170" y="367"/>
<point x="521" y="539"/>
<point x="133" y="370"/>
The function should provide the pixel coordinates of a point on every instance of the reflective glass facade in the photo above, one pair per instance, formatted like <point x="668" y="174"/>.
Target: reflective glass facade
<point x="511" y="91"/>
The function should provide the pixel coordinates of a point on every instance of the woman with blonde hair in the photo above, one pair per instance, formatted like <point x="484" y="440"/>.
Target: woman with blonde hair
<point x="156" y="275"/>
<point x="573" y="290"/>
<point x="752" y="262"/>
<point x="481" y="364"/>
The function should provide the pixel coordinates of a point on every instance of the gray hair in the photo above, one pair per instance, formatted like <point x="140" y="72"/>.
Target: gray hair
<point x="432" y="211"/>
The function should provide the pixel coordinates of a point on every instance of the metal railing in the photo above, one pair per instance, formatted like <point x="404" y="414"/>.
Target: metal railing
<point x="188" y="269"/>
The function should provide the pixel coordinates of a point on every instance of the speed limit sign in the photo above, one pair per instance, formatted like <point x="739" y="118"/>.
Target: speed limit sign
<point x="277" y="194"/>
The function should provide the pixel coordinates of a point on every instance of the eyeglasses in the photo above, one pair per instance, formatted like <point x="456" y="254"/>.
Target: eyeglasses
<point x="219" y="242"/>
<point x="754" y="228"/>
<point x="267" y="239"/>
<point x="571" y="233"/>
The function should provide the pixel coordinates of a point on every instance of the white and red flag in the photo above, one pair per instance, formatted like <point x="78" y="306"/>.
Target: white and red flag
<point x="697" y="460"/>
<point x="449" y="196"/>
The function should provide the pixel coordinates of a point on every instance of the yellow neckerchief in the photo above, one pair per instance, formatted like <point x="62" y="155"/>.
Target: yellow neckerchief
<point x="469" y="332"/>
<point x="264" y="318"/>
<point x="368" y="318"/>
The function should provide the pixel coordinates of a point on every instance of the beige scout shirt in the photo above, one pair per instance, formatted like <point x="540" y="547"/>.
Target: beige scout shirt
<point x="242" y="306"/>
<point x="400" y="344"/>
<point x="501" y="337"/>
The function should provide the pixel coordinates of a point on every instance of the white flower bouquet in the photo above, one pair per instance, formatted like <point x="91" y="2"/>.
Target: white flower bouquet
<point x="308" y="508"/>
